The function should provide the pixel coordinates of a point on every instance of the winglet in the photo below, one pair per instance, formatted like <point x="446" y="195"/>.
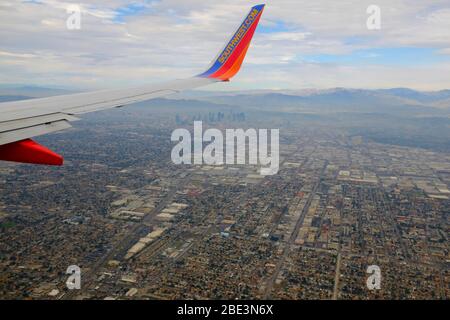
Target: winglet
<point x="230" y="59"/>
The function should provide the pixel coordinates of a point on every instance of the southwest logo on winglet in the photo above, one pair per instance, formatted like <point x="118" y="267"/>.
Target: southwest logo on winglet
<point x="230" y="59"/>
<point x="238" y="36"/>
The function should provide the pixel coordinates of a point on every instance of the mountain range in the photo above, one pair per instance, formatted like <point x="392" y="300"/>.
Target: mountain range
<point x="386" y="101"/>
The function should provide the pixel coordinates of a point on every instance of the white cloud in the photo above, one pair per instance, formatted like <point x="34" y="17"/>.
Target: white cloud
<point x="179" y="38"/>
<point x="444" y="51"/>
<point x="16" y="55"/>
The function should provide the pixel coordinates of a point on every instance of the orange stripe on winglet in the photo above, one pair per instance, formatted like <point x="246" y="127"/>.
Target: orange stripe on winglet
<point x="237" y="57"/>
<point x="236" y="66"/>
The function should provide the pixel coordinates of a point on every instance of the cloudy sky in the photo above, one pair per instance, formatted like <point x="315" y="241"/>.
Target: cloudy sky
<point x="299" y="44"/>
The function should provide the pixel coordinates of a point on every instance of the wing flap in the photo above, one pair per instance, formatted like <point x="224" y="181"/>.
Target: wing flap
<point x="33" y="131"/>
<point x="33" y="121"/>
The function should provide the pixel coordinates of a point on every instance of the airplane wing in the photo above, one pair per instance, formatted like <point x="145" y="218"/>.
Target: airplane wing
<point x="21" y="120"/>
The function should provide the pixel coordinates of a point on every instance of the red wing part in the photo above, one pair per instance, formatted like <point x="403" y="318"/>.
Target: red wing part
<point x="28" y="151"/>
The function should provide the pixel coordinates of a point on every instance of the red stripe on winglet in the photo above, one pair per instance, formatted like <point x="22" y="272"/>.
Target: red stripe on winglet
<point x="238" y="50"/>
<point x="28" y="151"/>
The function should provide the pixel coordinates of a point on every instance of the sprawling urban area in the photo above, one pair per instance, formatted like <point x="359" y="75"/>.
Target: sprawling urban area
<point x="141" y="227"/>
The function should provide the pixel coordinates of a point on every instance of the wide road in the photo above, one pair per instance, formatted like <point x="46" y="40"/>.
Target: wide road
<point x="299" y="223"/>
<point x="337" y="277"/>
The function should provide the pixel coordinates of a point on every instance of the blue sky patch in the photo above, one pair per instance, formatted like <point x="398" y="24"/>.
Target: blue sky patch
<point x="131" y="9"/>
<point x="383" y="56"/>
<point x="279" y="26"/>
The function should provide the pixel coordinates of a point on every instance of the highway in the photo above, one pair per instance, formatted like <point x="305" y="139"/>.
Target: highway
<point x="299" y="223"/>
